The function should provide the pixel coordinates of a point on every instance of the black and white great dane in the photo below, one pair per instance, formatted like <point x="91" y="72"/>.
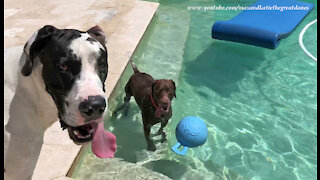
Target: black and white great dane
<point x="60" y="74"/>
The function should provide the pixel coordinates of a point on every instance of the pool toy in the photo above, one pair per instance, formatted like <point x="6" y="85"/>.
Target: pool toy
<point x="190" y="132"/>
<point x="263" y="24"/>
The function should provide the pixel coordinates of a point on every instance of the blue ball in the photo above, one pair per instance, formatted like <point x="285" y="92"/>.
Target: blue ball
<point x="191" y="131"/>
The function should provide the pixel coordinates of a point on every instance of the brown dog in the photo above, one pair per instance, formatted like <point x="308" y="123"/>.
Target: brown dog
<point x="154" y="100"/>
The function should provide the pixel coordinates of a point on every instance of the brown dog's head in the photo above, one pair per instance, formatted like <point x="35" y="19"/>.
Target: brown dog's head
<point x="164" y="90"/>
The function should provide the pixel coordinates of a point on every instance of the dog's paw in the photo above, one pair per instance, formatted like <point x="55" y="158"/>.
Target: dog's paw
<point x="151" y="147"/>
<point x="163" y="140"/>
<point x="160" y="132"/>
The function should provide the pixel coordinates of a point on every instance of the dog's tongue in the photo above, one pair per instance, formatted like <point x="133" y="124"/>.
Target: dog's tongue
<point x="103" y="143"/>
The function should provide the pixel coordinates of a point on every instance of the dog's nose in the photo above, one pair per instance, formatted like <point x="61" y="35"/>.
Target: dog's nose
<point x="93" y="107"/>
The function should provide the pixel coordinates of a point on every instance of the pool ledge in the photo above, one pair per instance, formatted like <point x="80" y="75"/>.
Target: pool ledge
<point x="128" y="21"/>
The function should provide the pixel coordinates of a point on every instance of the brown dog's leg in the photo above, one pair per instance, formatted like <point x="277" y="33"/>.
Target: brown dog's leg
<point x="160" y="131"/>
<point x="127" y="89"/>
<point x="127" y="98"/>
<point x="151" y="146"/>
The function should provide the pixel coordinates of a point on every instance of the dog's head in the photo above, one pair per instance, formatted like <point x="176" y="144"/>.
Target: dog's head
<point x="163" y="91"/>
<point x="74" y="68"/>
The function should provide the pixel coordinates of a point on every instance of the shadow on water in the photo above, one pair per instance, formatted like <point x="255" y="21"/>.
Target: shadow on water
<point x="129" y="133"/>
<point x="170" y="168"/>
<point x="177" y="169"/>
<point x="222" y="65"/>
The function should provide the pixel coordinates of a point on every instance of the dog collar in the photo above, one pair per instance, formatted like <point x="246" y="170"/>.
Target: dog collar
<point x="152" y="101"/>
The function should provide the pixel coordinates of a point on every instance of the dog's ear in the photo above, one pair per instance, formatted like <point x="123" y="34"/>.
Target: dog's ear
<point x="174" y="86"/>
<point x="97" y="33"/>
<point x="34" y="45"/>
<point x="153" y="85"/>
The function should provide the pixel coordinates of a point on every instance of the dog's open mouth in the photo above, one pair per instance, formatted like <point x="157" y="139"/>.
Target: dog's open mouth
<point x="165" y="109"/>
<point x="103" y="142"/>
<point x="81" y="134"/>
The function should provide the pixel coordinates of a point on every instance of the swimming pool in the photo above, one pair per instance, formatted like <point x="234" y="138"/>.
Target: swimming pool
<point x="259" y="104"/>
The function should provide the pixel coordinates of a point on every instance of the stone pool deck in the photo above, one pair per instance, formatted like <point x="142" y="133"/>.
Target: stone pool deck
<point x="123" y="21"/>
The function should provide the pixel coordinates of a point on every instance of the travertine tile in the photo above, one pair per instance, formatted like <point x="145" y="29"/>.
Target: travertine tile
<point x="55" y="136"/>
<point x="71" y="8"/>
<point x="111" y="82"/>
<point x="106" y="4"/>
<point x="119" y="60"/>
<point x="10" y="12"/>
<point x="55" y="161"/>
<point x="24" y="4"/>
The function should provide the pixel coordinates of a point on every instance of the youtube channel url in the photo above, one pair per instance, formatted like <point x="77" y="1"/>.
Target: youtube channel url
<point x="241" y="8"/>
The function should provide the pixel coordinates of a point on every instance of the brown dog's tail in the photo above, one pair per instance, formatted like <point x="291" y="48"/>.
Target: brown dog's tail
<point x="134" y="67"/>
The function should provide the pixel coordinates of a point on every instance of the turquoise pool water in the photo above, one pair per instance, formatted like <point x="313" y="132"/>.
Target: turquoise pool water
<point x="259" y="104"/>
